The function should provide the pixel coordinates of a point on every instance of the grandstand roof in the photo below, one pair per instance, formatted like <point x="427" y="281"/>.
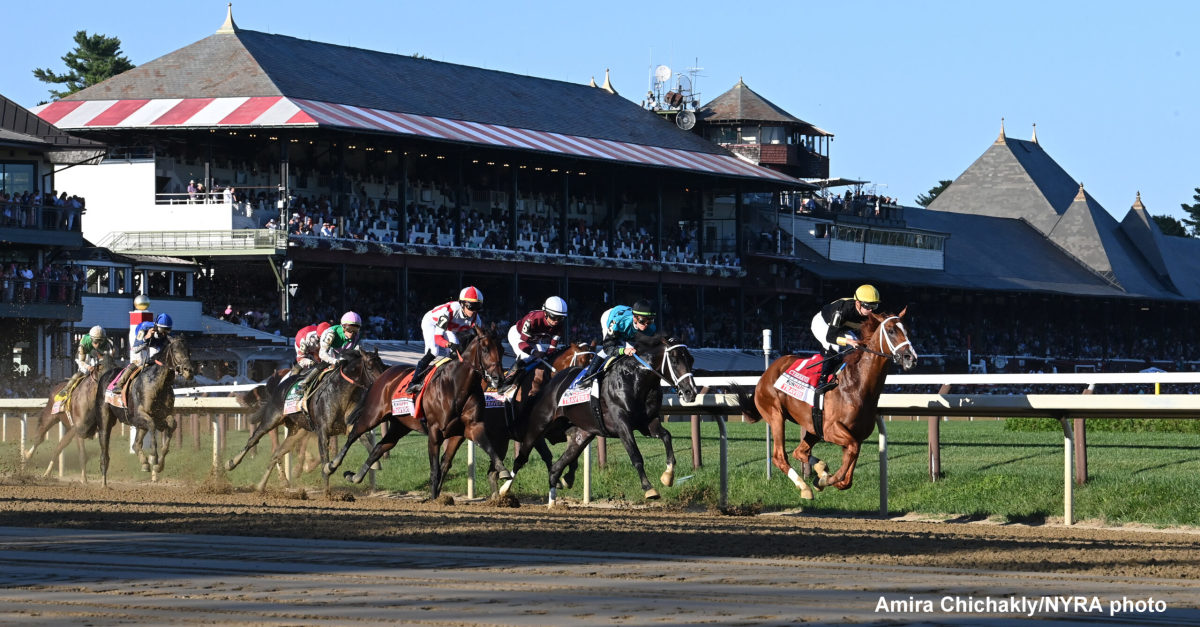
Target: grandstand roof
<point x="1018" y="181"/>
<point x="239" y="77"/>
<point x="20" y="127"/>
<point x="742" y="104"/>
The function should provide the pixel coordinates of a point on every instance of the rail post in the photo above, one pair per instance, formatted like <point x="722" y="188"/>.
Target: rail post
<point x="1068" y="485"/>
<point x="883" y="468"/>
<point x="935" y="441"/>
<point x="724" y="460"/>
<point x="24" y="420"/>
<point x="1081" y="471"/>
<point x="587" y="473"/>
<point x="470" y="469"/>
<point x="767" y="364"/>
<point x="62" y="453"/>
<point x="216" y="442"/>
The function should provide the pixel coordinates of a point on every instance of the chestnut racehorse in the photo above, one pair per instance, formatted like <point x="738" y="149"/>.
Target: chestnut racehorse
<point x="452" y="408"/>
<point x="849" y="409"/>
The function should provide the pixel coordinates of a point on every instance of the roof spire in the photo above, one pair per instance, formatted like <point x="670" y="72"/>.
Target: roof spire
<point x="1137" y="203"/>
<point x="592" y="83"/>
<point x="1035" y="133"/>
<point x="1000" y="139"/>
<point x="607" y="86"/>
<point x="229" y="27"/>
<point x="1080" y="195"/>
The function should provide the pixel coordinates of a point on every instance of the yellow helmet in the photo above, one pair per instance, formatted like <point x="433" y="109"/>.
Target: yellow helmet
<point x="867" y="294"/>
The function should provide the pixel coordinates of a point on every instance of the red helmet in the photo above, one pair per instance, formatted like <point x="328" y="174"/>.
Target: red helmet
<point x="471" y="294"/>
<point x="321" y="327"/>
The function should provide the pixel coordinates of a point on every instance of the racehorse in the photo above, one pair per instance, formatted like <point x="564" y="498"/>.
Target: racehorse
<point x="451" y="405"/>
<point x="630" y="397"/>
<point x="578" y="354"/>
<point x="78" y="414"/>
<point x="149" y="406"/>
<point x="849" y="409"/>
<point x="331" y="402"/>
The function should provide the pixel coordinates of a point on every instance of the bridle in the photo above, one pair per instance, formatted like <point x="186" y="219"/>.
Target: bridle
<point x="169" y="349"/>
<point x="891" y="347"/>
<point x="667" y="366"/>
<point x="363" y="357"/>
<point x="478" y="365"/>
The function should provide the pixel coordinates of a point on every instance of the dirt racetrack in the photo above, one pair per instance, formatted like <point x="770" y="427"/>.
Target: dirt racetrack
<point x="213" y="509"/>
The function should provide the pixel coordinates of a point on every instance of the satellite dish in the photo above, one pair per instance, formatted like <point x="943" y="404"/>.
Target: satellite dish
<point x="685" y="83"/>
<point x="662" y="73"/>
<point x="685" y="120"/>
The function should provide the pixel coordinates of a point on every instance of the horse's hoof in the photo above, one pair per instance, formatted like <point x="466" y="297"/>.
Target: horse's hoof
<point x="229" y="465"/>
<point x="160" y="467"/>
<point x="552" y="498"/>
<point x="806" y="494"/>
<point x="145" y="467"/>
<point x="821" y="468"/>
<point x="651" y="494"/>
<point x="563" y="483"/>
<point x="504" y="487"/>
<point x="504" y="474"/>
<point x="668" y="477"/>
<point x="377" y="466"/>
<point x="328" y="469"/>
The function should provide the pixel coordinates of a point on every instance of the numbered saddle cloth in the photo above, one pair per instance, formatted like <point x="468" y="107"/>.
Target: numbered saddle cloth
<point x="800" y="380"/>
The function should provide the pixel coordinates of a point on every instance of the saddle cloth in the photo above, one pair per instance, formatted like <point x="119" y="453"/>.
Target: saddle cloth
<point x="115" y="397"/>
<point x="576" y="395"/>
<point x="800" y="380"/>
<point x="403" y="403"/>
<point x="296" y="399"/>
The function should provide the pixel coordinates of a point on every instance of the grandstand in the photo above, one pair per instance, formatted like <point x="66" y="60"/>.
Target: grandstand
<point x="308" y="178"/>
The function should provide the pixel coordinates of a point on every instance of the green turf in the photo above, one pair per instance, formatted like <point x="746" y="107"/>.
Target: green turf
<point x="989" y="472"/>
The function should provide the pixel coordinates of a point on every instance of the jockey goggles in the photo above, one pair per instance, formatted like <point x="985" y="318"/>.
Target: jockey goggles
<point x="472" y="305"/>
<point x="869" y="306"/>
<point x="554" y="317"/>
<point x="643" y="319"/>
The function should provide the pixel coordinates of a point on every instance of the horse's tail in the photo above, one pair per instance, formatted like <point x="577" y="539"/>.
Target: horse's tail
<point x="745" y="403"/>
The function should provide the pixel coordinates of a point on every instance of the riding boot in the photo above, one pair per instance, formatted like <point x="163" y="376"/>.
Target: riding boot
<point x="125" y="375"/>
<point x="514" y="373"/>
<point x="594" y="367"/>
<point x="310" y="378"/>
<point x="829" y="366"/>
<point x="419" y="373"/>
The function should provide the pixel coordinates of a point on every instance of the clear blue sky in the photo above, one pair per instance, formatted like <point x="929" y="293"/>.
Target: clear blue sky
<point x="913" y="91"/>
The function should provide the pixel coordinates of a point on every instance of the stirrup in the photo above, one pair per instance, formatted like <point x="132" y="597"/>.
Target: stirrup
<point x="828" y="385"/>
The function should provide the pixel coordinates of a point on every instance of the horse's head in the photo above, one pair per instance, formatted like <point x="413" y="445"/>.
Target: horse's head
<point x="485" y="354"/>
<point x="577" y="354"/>
<point x="179" y="358"/>
<point x="373" y="365"/>
<point x="893" y="339"/>
<point x="362" y="367"/>
<point x="671" y="359"/>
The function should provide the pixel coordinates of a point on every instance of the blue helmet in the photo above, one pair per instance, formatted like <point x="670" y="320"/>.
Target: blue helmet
<point x="163" y="321"/>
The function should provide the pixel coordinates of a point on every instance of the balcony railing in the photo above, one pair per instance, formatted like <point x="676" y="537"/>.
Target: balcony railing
<point x="40" y="218"/>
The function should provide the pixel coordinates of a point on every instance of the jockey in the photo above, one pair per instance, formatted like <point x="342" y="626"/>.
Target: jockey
<point x="538" y="333"/>
<point x="92" y="348"/>
<point x="308" y="346"/>
<point x="621" y="326"/>
<point x="148" y="339"/>
<point x="334" y="341"/>
<point x="837" y="324"/>
<point x="440" y="327"/>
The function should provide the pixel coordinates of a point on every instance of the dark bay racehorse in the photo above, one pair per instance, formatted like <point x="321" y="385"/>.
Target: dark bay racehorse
<point x="330" y="404"/>
<point x="79" y="416"/>
<point x="577" y="355"/>
<point x="850" y="408"/>
<point x="630" y="397"/>
<point x="451" y="407"/>
<point x="150" y="406"/>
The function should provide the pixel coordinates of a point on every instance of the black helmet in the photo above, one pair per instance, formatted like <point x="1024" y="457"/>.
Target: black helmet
<point x="644" y="308"/>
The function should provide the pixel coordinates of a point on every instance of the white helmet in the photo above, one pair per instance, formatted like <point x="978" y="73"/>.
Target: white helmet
<point x="555" y="306"/>
<point x="96" y="332"/>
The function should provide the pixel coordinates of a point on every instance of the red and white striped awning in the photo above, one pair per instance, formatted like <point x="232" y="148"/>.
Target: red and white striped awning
<point x="278" y="111"/>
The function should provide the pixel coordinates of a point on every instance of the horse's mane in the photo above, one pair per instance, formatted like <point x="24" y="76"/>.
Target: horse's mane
<point x="643" y="342"/>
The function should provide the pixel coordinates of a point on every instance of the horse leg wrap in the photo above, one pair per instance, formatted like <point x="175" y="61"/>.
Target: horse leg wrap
<point x="795" y="477"/>
<point x="668" y="476"/>
<point x="506" y="486"/>
<point x="553" y="497"/>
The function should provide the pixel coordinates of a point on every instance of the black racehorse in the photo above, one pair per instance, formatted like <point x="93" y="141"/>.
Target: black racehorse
<point x="149" y="406"/>
<point x="630" y="398"/>
<point x="330" y="404"/>
<point x="451" y="407"/>
<point x="79" y="414"/>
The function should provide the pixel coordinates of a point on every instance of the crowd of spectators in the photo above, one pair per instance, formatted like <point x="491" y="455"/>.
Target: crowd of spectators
<point x="53" y="283"/>
<point x="35" y="210"/>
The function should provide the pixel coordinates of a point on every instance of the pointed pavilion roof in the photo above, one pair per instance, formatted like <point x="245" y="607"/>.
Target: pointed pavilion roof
<point x="1011" y="179"/>
<point x="1082" y="226"/>
<point x="742" y="104"/>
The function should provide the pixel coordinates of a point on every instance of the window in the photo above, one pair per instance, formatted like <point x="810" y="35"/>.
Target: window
<point x="17" y="178"/>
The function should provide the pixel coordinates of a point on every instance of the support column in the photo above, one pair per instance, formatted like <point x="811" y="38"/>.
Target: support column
<point x="512" y="212"/>
<point x="739" y="221"/>
<point x="460" y="198"/>
<point x="562" y="216"/>
<point x="658" y="227"/>
<point x="402" y="216"/>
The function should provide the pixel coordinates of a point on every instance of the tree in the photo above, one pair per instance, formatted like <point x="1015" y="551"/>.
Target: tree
<point x="1170" y="226"/>
<point x="1193" y="210"/>
<point x="934" y="192"/>
<point x="95" y="58"/>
